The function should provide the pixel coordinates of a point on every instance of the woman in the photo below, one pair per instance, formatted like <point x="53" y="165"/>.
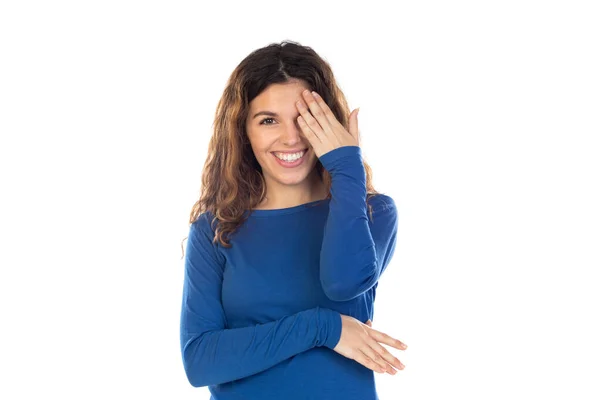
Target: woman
<point x="282" y="261"/>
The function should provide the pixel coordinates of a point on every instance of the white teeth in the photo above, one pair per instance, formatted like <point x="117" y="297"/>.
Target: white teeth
<point x="289" y="157"/>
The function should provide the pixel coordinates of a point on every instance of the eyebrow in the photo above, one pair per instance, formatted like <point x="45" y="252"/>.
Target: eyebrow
<point x="267" y="113"/>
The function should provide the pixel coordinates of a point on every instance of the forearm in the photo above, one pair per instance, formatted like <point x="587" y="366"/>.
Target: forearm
<point x="220" y="356"/>
<point x="348" y="263"/>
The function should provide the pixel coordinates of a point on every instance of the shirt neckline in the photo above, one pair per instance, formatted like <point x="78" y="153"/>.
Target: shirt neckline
<point x="287" y="210"/>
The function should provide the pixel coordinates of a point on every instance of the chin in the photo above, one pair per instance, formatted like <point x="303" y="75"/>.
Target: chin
<point x="290" y="180"/>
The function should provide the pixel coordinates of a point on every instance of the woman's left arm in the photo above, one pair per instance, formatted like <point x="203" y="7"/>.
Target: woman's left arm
<point x="356" y="249"/>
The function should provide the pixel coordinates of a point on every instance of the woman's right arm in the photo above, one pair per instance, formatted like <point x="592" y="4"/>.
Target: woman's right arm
<point x="213" y="354"/>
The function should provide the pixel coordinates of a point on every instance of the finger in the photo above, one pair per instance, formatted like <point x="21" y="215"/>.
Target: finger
<point x="353" y="124"/>
<point x="386" y="339"/>
<point x="386" y="355"/>
<point x="309" y="119"/>
<point x="314" y="139"/>
<point x="369" y="323"/>
<point x="317" y="112"/>
<point x="369" y="352"/>
<point x="361" y="358"/>
<point x="326" y="110"/>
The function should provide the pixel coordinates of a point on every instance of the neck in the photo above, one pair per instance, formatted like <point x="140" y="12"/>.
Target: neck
<point x="285" y="196"/>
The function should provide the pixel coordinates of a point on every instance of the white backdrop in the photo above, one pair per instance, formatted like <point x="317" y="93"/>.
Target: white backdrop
<point x="481" y="120"/>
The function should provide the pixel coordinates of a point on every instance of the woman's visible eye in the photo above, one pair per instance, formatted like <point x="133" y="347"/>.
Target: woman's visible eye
<point x="263" y="121"/>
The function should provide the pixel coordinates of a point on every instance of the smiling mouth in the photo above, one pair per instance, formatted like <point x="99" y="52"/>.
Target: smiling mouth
<point x="290" y="157"/>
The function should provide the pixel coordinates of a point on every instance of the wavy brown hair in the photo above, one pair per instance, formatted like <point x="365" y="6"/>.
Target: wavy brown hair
<point x="232" y="180"/>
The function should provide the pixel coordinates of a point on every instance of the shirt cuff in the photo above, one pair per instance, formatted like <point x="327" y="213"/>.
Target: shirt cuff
<point x="331" y="328"/>
<point x="329" y="159"/>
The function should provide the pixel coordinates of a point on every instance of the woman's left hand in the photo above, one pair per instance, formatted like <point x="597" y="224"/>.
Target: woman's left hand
<point x="321" y="127"/>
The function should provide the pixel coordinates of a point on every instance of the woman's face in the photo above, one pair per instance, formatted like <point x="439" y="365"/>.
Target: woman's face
<point x="276" y="137"/>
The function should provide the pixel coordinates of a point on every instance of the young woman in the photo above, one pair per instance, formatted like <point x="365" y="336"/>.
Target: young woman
<point x="287" y="241"/>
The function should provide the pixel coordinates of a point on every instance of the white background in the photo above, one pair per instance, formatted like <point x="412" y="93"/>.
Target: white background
<point x="481" y="119"/>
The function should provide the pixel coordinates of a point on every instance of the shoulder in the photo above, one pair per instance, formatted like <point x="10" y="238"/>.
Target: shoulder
<point x="202" y="236"/>
<point x="383" y="216"/>
<point x="382" y="203"/>
<point x="204" y="225"/>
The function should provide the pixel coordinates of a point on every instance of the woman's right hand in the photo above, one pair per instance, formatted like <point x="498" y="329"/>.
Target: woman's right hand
<point x="361" y="343"/>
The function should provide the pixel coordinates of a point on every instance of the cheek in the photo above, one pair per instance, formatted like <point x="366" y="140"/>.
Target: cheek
<point x="261" y="154"/>
<point x="260" y="141"/>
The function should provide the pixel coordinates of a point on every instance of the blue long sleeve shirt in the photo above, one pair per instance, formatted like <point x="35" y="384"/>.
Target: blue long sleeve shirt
<point x="260" y="320"/>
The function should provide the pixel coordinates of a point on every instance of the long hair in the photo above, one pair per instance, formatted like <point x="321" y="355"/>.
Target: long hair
<point x="232" y="180"/>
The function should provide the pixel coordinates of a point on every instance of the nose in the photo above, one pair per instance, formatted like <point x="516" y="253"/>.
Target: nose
<point x="291" y="135"/>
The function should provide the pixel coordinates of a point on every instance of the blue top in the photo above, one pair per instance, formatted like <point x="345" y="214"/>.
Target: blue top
<point x="260" y="320"/>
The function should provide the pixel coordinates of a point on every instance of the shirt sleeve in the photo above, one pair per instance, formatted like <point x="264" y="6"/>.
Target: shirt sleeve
<point x="213" y="354"/>
<point x="355" y="250"/>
